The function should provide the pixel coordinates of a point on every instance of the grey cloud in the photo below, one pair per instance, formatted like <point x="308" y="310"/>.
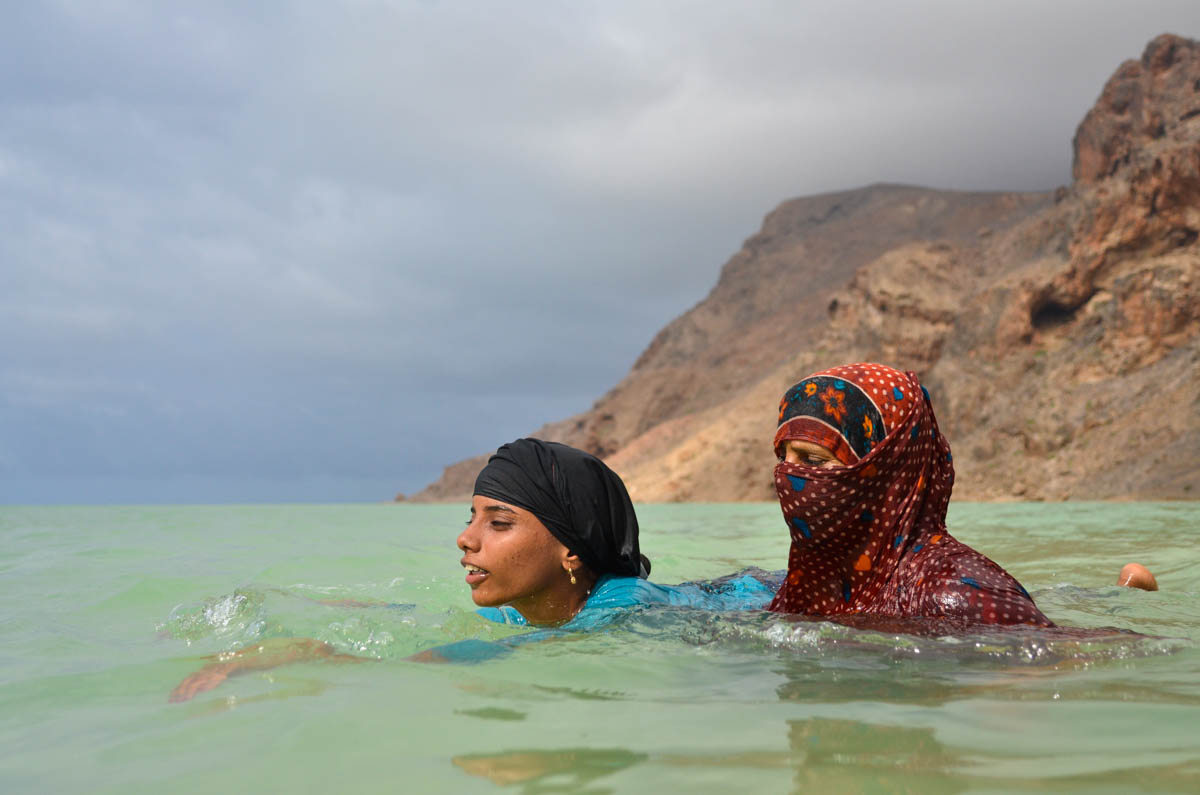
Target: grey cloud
<point x="286" y="246"/>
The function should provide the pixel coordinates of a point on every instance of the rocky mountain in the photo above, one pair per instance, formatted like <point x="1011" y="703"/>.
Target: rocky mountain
<point x="1058" y="332"/>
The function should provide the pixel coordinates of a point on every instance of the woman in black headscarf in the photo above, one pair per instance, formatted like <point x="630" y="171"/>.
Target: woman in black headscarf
<point x="552" y="542"/>
<point x="553" y="539"/>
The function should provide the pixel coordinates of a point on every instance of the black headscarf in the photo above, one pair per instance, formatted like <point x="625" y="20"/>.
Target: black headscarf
<point x="576" y="496"/>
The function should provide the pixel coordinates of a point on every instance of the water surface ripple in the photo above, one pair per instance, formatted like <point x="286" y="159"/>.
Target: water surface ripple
<point x="104" y="610"/>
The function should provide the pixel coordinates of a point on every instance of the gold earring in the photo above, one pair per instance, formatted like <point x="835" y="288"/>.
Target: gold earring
<point x="572" y="573"/>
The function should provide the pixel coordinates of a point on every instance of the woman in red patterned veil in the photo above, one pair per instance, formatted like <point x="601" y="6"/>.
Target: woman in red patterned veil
<point x="864" y="480"/>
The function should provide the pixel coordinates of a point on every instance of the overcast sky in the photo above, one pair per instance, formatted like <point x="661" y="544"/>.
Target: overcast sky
<point x="278" y="251"/>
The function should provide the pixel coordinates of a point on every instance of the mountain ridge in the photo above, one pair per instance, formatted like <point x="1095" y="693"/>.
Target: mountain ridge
<point x="1053" y="328"/>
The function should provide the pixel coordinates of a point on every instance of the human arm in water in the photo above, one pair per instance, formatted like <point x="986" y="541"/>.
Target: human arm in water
<point x="286" y="651"/>
<point x="259" y="657"/>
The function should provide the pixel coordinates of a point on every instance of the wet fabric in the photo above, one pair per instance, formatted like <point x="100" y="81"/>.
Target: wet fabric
<point x="580" y="500"/>
<point x="870" y="536"/>
<point x="611" y="597"/>
<point x="613" y="594"/>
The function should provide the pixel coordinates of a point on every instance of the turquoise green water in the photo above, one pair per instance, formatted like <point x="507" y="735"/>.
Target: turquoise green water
<point x="104" y="610"/>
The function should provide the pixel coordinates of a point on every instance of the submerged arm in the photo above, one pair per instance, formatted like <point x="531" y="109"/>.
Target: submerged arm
<point x="285" y="651"/>
<point x="260" y="657"/>
<point x="473" y="650"/>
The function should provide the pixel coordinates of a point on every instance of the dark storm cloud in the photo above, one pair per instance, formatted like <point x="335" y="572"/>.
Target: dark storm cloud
<point x="283" y="250"/>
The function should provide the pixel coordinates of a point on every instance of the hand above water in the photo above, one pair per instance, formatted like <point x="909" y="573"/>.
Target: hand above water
<point x="1135" y="575"/>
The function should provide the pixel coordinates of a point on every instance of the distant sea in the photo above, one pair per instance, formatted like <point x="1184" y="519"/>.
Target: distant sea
<point x="103" y="610"/>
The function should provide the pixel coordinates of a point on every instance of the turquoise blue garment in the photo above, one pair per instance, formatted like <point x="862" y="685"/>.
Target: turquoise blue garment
<point x="609" y="598"/>
<point x="613" y="594"/>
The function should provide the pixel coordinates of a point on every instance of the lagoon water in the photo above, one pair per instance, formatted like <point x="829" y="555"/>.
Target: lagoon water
<point x="104" y="610"/>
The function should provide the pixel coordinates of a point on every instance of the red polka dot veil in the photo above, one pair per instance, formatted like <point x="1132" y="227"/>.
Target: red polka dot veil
<point x="870" y="536"/>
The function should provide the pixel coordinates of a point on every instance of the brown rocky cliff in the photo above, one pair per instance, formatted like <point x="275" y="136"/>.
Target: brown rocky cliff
<point x="1058" y="332"/>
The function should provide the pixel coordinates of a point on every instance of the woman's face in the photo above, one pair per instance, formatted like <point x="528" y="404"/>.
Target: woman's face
<point x="510" y="556"/>
<point x="809" y="454"/>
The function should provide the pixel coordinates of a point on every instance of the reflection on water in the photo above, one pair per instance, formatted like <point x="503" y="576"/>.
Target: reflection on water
<point x="852" y="756"/>
<point x="826" y="754"/>
<point x="811" y="682"/>
<point x="492" y="713"/>
<point x="566" y="770"/>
